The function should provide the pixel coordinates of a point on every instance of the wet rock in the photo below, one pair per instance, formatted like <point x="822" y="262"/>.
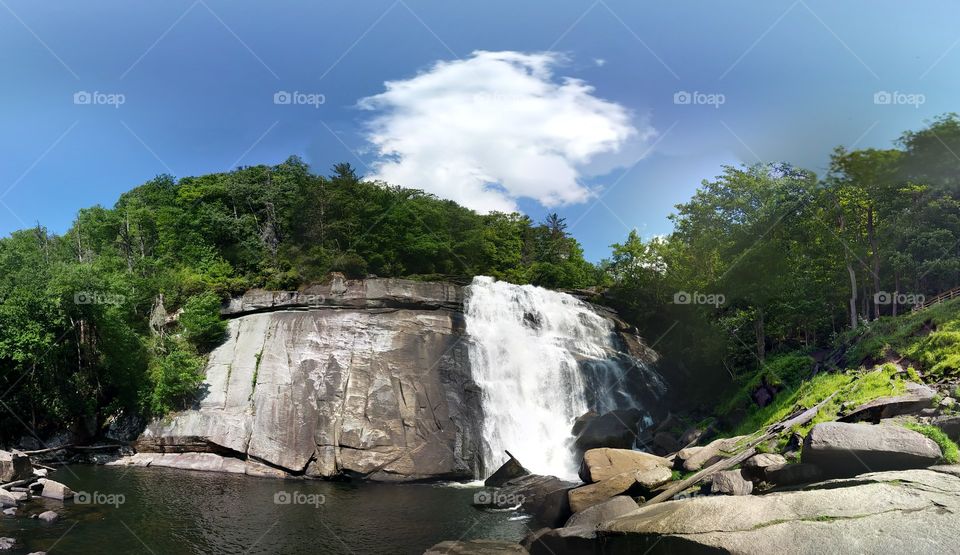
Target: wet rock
<point x="14" y="465"/>
<point x="608" y="510"/>
<point x="843" y="449"/>
<point x="475" y="547"/>
<point x="666" y="442"/>
<point x="54" y="490"/>
<point x="48" y="516"/>
<point x="20" y="496"/>
<point x="7" y="544"/>
<point x="10" y="511"/>
<point x="731" y="482"/>
<point x="508" y="471"/>
<point x="7" y="499"/>
<point x="600" y="464"/>
<point x="617" y="429"/>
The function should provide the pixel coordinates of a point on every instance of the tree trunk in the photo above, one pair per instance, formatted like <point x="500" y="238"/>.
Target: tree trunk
<point x="761" y="337"/>
<point x="875" y="259"/>
<point x="853" y="294"/>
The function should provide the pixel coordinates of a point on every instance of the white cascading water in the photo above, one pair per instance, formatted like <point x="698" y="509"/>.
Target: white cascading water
<point x="527" y="345"/>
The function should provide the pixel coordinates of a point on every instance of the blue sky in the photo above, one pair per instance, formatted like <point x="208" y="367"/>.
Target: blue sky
<point x="198" y="80"/>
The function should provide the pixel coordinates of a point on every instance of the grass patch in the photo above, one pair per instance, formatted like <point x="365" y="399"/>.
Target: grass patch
<point x="951" y="453"/>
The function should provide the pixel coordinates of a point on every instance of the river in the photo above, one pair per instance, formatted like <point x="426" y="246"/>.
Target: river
<point x="166" y="511"/>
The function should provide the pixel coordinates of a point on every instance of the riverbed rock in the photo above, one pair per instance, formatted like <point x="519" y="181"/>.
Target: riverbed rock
<point x="603" y="463"/>
<point x="54" y="490"/>
<point x="10" y="511"/>
<point x="792" y="474"/>
<point x="911" y="511"/>
<point x="731" y="482"/>
<point x="48" y="516"/>
<point x="618" y="429"/>
<point x="592" y="494"/>
<point x="508" y="471"/>
<point x="614" y="507"/>
<point x="475" y="547"/>
<point x="7" y="544"/>
<point x="844" y="449"/>
<point x="14" y="465"/>
<point x="7" y="499"/>
<point x="916" y="398"/>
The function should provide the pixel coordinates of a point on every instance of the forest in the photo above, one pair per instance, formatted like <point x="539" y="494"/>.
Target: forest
<point x="117" y="314"/>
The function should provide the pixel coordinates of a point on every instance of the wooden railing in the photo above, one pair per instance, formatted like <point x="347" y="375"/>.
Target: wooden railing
<point x="945" y="296"/>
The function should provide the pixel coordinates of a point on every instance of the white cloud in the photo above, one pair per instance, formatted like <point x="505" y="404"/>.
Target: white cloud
<point x="496" y="127"/>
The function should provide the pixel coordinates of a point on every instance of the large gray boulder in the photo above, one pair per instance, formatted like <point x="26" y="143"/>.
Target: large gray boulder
<point x="603" y="463"/>
<point x="911" y="511"/>
<point x="731" y="482"/>
<point x="755" y="468"/>
<point x="14" y="465"/>
<point x="843" y="449"/>
<point x="617" y="429"/>
<point x="608" y="510"/>
<point x="368" y="379"/>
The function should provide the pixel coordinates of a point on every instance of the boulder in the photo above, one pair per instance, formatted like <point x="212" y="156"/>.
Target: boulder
<point x="545" y="497"/>
<point x="731" y="482"/>
<point x="14" y="465"/>
<point x="48" y="516"/>
<point x="20" y="496"/>
<point x="695" y="458"/>
<point x="843" y="449"/>
<point x="577" y="540"/>
<point x="7" y="544"/>
<point x="587" y="496"/>
<point x="912" y="511"/>
<point x="755" y="467"/>
<point x="613" y="429"/>
<point x="581" y="422"/>
<point x="10" y="511"/>
<point x="666" y="442"/>
<point x="475" y="547"/>
<point x="600" y="464"/>
<point x="653" y="478"/>
<point x="508" y="471"/>
<point x="916" y="398"/>
<point x="950" y="426"/>
<point x="7" y="499"/>
<point x="592" y="517"/>
<point x="54" y="490"/>
<point x="792" y="474"/>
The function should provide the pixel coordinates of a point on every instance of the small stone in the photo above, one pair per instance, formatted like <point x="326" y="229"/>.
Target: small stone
<point x="947" y="402"/>
<point x="48" y="516"/>
<point x="55" y="490"/>
<point x="7" y="499"/>
<point x="11" y="511"/>
<point x="7" y="543"/>
<point x="731" y="482"/>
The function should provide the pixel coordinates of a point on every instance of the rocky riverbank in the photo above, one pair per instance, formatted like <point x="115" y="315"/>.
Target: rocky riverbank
<point x="868" y="482"/>
<point x="20" y="484"/>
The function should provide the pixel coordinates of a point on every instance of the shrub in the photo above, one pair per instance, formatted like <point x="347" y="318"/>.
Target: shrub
<point x="201" y="322"/>
<point x="174" y="378"/>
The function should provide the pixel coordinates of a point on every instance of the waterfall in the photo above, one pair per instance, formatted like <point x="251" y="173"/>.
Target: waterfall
<point x="541" y="359"/>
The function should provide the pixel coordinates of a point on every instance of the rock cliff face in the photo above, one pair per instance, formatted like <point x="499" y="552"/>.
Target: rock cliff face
<point x="365" y="378"/>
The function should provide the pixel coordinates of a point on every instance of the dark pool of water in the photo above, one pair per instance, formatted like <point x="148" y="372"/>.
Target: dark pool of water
<point x="166" y="511"/>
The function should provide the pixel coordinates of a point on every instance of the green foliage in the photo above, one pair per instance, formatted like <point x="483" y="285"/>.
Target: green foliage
<point x="201" y="322"/>
<point x="951" y="453"/>
<point x="174" y="379"/>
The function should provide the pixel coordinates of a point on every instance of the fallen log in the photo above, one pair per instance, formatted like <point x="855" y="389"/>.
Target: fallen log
<point x="750" y="450"/>
<point x="73" y="448"/>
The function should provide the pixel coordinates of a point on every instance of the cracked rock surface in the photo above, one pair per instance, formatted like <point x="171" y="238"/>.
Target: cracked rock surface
<point x="908" y="511"/>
